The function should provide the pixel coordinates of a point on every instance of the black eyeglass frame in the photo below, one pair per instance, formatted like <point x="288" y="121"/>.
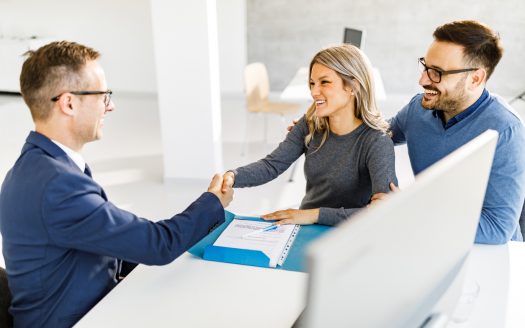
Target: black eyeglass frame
<point x="440" y="72"/>
<point x="107" y="93"/>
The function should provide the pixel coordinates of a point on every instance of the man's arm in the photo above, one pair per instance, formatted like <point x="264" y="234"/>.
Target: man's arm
<point x="505" y="191"/>
<point x="77" y="217"/>
<point x="397" y="126"/>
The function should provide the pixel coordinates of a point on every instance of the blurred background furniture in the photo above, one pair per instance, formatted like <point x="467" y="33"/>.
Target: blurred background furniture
<point x="5" y="301"/>
<point x="520" y="96"/>
<point x="354" y="37"/>
<point x="522" y="221"/>
<point x="257" y="88"/>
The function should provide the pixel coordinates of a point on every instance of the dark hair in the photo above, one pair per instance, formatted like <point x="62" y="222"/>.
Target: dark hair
<point x="50" y="70"/>
<point x="481" y="45"/>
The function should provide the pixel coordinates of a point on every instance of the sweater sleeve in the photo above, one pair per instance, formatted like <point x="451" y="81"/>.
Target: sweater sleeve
<point x="333" y="216"/>
<point x="505" y="191"/>
<point x="380" y="162"/>
<point x="270" y="167"/>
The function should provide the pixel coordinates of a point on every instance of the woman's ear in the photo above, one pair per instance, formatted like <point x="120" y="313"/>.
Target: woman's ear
<point x="354" y="87"/>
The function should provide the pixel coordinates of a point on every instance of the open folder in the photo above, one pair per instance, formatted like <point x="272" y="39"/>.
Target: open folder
<point x="293" y="254"/>
<point x="253" y="242"/>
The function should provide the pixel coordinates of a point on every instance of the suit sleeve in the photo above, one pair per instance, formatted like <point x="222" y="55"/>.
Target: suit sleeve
<point x="78" y="217"/>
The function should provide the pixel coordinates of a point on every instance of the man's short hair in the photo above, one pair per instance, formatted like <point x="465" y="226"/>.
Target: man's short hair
<point x="481" y="45"/>
<point x="51" y="70"/>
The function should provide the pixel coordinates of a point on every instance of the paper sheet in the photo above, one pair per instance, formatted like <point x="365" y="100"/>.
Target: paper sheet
<point x="273" y="243"/>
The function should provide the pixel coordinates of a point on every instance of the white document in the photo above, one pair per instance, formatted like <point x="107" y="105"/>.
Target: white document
<point x="273" y="243"/>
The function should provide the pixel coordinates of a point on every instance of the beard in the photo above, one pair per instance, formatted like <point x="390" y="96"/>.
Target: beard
<point x="450" y="102"/>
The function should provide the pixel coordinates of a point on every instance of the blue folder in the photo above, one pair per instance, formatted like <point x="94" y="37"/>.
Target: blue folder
<point x="295" y="261"/>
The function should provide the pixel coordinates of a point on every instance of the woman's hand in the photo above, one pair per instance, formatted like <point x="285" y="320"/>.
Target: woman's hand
<point x="228" y="179"/>
<point x="293" y="216"/>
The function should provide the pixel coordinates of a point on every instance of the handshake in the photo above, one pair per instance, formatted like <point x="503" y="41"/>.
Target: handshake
<point x="222" y="187"/>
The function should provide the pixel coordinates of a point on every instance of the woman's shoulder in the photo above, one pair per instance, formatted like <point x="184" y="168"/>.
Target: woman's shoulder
<point x="374" y="136"/>
<point x="374" y="133"/>
<point x="301" y="125"/>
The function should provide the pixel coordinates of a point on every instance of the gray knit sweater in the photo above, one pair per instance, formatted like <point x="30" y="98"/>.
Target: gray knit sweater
<point x="341" y="176"/>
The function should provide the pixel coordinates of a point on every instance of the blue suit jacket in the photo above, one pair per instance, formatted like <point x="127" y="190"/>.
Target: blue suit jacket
<point x="63" y="242"/>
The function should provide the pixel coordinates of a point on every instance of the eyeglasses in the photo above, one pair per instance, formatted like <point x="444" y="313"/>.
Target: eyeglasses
<point x="435" y="74"/>
<point x="107" y="95"/>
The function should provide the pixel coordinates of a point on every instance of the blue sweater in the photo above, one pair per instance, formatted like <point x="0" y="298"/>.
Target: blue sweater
<point x="428" y="141"/>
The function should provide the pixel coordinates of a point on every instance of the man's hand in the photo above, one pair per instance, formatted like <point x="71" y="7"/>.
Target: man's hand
<point x="228" y="178"/>
<point x="293" y="216"/>
<point x="294" y="122"/>
<point x="381" y="195"/>
<point x="216" y="187"/>
<point x="393" y="187"/>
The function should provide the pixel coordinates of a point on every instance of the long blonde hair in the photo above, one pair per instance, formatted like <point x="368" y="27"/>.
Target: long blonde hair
<point x="352" y="65"/>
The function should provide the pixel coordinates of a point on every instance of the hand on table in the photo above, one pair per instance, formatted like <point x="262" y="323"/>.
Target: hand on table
<point x="293" y="216"/>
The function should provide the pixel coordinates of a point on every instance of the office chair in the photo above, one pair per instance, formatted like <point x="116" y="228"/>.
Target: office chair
<point x="5" y="301"/>
<point x="522" y="222"/>
<point x="257" y="89"/>
<point x="520" y="96"/>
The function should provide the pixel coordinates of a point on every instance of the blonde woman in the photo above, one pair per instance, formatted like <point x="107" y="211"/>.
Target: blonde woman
<point x="349" y="156"/>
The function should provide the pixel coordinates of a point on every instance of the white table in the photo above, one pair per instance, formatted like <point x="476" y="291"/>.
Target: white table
<point x="298" y="91"/>
<point x="500" y="273"/>
<point x="197" y="293"/>
<point x="191" y="292"/>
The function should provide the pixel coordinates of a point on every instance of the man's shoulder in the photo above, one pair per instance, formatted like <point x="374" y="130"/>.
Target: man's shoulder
<point x="413" y="109"/>
<point x="500" y="110"/>
<point x="36" y="161"/>
<point x="497" y="115"/>
<point x="35" y="167"/>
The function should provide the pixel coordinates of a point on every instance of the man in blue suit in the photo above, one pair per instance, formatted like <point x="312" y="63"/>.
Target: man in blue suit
<point x="65" y="245"/>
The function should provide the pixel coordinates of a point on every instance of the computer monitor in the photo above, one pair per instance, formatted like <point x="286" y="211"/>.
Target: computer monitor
<point x="390" y="265"/>
<point x="354" y="37"/>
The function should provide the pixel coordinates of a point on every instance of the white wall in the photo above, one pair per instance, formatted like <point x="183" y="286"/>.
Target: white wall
<point x="285" y="34"/>
<point x="121" y="30"/>
<point x="187" y="59"/>
<point x="232" y="45"/>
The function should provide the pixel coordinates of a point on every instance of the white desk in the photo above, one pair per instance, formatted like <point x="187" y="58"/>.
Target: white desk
<point x="197" y="293"/>
<point x="500" y="273"/>
<point x="191" y="292"/>
<point x="298" y="91"/>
